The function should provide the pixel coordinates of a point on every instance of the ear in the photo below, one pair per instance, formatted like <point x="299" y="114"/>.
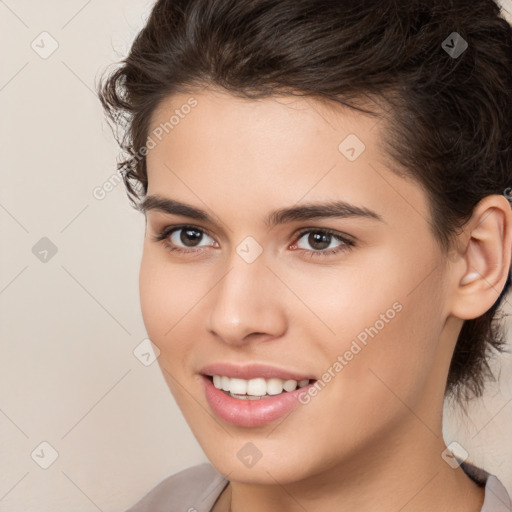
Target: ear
<point x="483" y="264"/>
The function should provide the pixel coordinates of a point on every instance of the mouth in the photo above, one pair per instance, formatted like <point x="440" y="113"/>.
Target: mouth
<point x="256" y="388"/>
<point x="254" y="395"/>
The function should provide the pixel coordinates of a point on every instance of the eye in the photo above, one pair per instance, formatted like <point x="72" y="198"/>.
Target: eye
<point x="177" y="237"/>
<point x="189" y="236"/>
<point x="321" y="241"/>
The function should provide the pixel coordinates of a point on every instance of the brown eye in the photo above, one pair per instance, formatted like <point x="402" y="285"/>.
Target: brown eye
<point x="187" y="236"/>
<point x="190" y="237"/>
<point x="184" y="238"/>
<point x="320" y="241"/>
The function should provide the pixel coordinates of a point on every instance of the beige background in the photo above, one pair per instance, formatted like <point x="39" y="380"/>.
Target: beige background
<point x="70" y="325"/>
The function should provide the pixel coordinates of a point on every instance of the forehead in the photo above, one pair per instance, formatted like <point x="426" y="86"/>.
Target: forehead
<point x="272" y="151"/>
<point x="277" y="120"/>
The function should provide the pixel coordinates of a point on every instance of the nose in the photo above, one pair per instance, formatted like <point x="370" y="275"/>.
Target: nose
<point x="245" y="304"/>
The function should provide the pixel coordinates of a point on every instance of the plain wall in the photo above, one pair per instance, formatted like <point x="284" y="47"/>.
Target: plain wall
<point x="69" y="325"/>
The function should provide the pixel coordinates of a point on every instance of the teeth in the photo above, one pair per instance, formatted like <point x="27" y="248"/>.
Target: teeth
<point x="258" y="387"/>
<point x="217" y="381"/>
<point x="238" y="386"/>
<point x="255" y="387"/>
<point x="290" y="385"/>
<point x="274" y="386"/>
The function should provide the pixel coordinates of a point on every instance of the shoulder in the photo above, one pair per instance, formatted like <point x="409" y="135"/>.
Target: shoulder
<point x="194" y="489"/>
<point x="496" y="497"/>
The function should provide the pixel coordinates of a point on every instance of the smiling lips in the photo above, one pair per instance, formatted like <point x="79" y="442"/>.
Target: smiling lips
<point x="252" y="395"/>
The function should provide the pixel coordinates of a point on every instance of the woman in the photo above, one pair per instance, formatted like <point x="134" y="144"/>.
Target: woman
<point x="328" y="239"/>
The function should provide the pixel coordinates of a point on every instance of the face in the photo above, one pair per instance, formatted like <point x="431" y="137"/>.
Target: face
<point x="352" y="302"/>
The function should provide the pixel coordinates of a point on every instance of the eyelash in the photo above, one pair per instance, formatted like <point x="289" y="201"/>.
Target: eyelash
<point x="346" y="246"/>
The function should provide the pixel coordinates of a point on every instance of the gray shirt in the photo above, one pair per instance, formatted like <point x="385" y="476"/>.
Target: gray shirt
<point x="197" y="488"/>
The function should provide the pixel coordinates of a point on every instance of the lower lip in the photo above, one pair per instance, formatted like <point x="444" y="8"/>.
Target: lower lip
<point x="251" y="413"/>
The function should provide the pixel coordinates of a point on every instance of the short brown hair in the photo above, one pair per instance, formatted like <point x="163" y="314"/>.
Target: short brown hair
<point x="450" y="116"/>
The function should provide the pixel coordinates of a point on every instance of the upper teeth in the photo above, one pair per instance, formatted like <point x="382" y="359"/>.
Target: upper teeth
<point x="256" y="387"/>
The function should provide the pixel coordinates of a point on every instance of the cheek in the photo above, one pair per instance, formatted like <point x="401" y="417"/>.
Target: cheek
<point x="168" y="293"/>
<point x="375" y="328"/>
<point x="161" y="290"/>
<point x="377" y="366"/>
<point x="170" y="298"/>
<point x="153" y="299"/>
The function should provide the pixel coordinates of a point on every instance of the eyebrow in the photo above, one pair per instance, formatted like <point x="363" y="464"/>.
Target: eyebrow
<point x="336" y="209"/>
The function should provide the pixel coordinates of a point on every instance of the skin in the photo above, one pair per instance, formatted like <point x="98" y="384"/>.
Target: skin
<point x="372" y="438"/>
